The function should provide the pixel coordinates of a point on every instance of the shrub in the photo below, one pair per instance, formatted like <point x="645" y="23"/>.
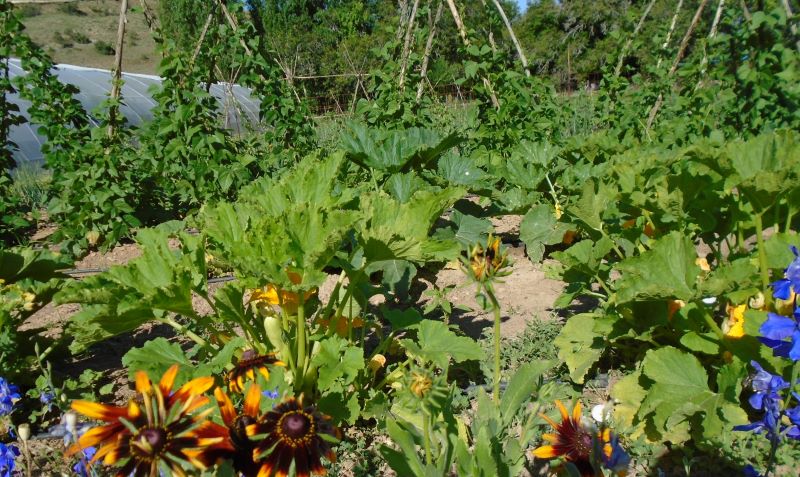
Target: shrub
<point x="78" y="37"/>
<point x="28" y="10"/>
<point x="104" y="48"/>
<point x="70" y="9"/>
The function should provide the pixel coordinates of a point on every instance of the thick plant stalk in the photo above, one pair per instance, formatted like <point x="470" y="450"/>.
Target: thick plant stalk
<point x="514" y="39"/>
<point x="113" y="111"/>
<point x="407" y="43"/>
<point x="672" y="26"/>
<point x="678" y="57"/>
<point x="428" y="47"/>
<point x="633" y="35"/>
<point x="462" y="31"/>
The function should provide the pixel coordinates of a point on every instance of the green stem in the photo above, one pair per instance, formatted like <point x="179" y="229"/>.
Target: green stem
<point x="792" y="383"/>
<point x="301" y="343"/>
<point x="426" y="436"/>
<point x="762" y="258"/>
<point x="603" y="286"/>
<point x="186" y="331"/>
<point x="789" y="216"/>
<point x="710" y="322"/>
<point x="496" y="311"/>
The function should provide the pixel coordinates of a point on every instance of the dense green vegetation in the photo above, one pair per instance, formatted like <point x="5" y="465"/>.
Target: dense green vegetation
<point x="666" y="203"/>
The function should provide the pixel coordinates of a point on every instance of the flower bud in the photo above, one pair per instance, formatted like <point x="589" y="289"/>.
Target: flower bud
<point x="70" y="420"/>
<point x="24" y="432"/>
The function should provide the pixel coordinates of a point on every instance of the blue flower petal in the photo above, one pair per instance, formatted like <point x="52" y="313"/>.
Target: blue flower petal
<point x="794" y="353"/>
<point x="783" y="289"/>
<point x="778" y="327"/>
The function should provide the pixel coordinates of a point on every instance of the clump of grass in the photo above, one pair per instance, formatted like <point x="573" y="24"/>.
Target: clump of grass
<point x="71" y="9"/>
<point x="104" y="48"/>
<point x="535" y="343"/>
<point x="61" y="40"/>
<point x="31" y="184"/>
<point x="78" y="37"/>
<point x="28" y="10"/>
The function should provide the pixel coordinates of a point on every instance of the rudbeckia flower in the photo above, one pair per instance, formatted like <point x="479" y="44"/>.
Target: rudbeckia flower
<point x="157" y="431"/>
<point x="776" y="329"/>
<point x="290" y="433"/>
<point x="246" y="368"/>
<point x="577" y="443"/>
<point x="237" y="446"/>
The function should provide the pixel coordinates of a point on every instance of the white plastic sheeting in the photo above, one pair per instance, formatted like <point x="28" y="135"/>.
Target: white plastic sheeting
<point x="95" y="86"/>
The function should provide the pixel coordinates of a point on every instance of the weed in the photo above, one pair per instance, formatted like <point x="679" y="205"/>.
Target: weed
<point x="71" y="9"/>
<point x="31" y="184"/>
<point x="61" y="40"/>
<point x="78" y="37"/>
<point x="104" y="48"/>
<point x="28" y="10"/>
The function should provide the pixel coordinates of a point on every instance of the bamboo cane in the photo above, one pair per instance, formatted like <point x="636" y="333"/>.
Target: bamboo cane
<point x="672" y="26"/>
<point x="428" y="47"/>
<point x="628" y="43"/>
<point x="113" y="111"/>
<point x="789" y="14"/>
<point x="514" y="39"/>
<point x="407" y="44"/>
<point x="678" y="57"/>
<point x="463" y="32"/>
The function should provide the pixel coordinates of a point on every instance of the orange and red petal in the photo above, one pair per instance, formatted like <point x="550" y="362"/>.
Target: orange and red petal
<point x="99" y="411"/>
<point x="226" y="408"/>
<point x="545" y="452"/>
<point x="168" y="380"/>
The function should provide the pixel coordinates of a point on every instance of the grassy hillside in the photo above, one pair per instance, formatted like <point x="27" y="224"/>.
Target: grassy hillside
<point x="85" y="32"/>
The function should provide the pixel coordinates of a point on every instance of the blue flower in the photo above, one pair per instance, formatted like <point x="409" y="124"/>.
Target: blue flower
<point x="765" y="385"/>
<point x="791" y="281"/>
<point x="776" y="329"/>
<point x="271" y="394"/>
<point x="8" y="394"/>
<point x="615" y="458"/>
<point x="80" y="468"/>
<point x="750" y="471"/>
<point x="8" y="456"/>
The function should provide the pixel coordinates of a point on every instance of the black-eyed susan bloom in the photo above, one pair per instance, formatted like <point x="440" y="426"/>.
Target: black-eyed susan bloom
<point x="156" y="432"/>
<point x="582" y="445"/>
<point x="292" y="432"/>
<point x="247" y="367"/>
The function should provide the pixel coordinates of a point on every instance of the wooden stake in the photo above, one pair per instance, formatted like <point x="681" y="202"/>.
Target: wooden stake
<point x="789" y="14"/>
<point x="514" y="39"/>
<point x="200" y="41"/>
<point x="428" y="47"/>
<point x="116" y="85"/>
<point x="711" y="35"/>
<point x="678" y="57"/>
<point x="671" y="30"/>
<point x="407" y="44"/>
<point x="628" y="43"/>
<point x="463" y="32"/>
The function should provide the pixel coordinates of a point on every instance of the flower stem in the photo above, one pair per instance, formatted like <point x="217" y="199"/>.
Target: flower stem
<point x="762" y="257"/>
<point x="711" y="323"/>
<point x="496" y="333"/>
<point x="301" y="343"/>
<point x="186" y="331"/>
<point x="426" y="436"/>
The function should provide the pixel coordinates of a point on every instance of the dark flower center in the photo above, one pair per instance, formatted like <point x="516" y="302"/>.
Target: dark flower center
<point x="296" y="425"/>
<point x="239" y="433"/>
<point x="156" y="438"/>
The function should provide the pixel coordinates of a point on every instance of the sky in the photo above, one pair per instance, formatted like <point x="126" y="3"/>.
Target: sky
<point x="522" y="4"/>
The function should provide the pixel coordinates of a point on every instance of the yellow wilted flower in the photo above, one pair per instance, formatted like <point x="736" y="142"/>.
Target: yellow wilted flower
<point x="734" y="326"/>
<point x="274" y="296"/>
<point x="569" y="237"/>
<point x="376" y="362"/>
<point x="420" y="384"/>
<point x="486" y="263"/>
<point x="786" y="307"/>
<point x="703" y="264"/>
<point x="342" y="323"/>
<point x="558" y="211"/>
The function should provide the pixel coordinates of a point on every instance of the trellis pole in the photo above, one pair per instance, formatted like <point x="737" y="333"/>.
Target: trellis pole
<point x="113" y="111"/>
<point x="678" y="57"/>
<point x="789" y="14"/>
<point x="407" y="43"/>
<point x="463" y="33"/>
<point x="711" y="35"/>
<point x="628" y="43"/>
<point x="514" y="39"/>
<point x="671" y="30"/>
<point x="428" y="47"/>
